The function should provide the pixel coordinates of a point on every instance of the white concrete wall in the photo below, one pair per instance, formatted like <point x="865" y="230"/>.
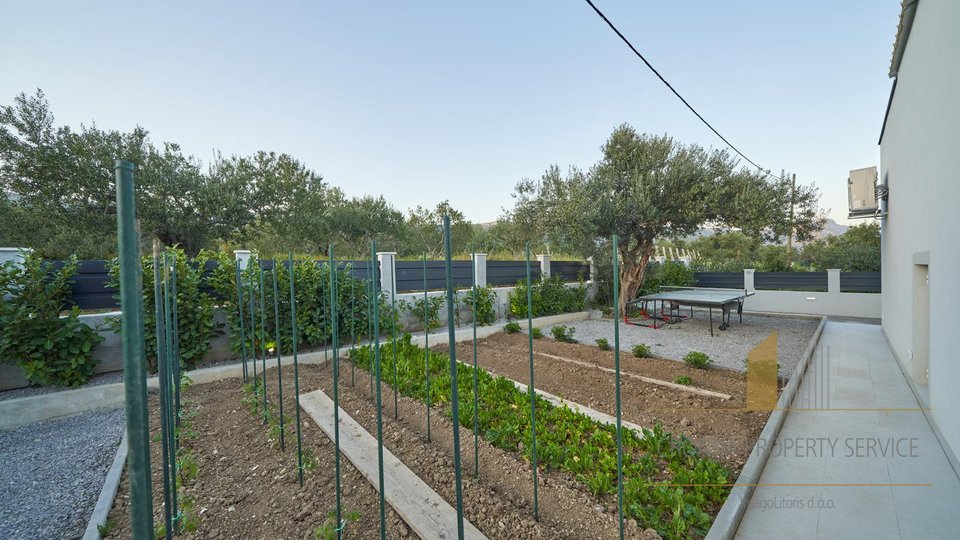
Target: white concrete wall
<point x="835" y="304"/>
<point x="920" y="161"/>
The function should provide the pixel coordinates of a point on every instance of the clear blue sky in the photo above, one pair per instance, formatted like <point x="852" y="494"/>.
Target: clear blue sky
<point x="424" y="101"/>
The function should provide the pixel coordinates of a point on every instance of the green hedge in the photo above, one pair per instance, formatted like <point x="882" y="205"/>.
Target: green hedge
<point x="550" y="297"/>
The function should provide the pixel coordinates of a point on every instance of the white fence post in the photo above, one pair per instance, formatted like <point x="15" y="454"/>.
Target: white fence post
<point x="544" y="265"/>
<point x="388" y="272"/>
<point x="833" y="281"/>
<point x="480" y="269"/>
<point x="748" y="279"/>
<point x="243" y="257"/>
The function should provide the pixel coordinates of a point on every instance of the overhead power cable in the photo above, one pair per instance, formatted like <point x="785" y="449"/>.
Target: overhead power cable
<point x="672" y="89"/>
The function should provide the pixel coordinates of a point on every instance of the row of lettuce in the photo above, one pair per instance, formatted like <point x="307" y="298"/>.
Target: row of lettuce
<point x="52" y="345"/>
<point x="668" y="485"/>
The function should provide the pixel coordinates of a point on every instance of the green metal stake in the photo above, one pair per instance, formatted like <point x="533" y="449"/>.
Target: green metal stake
<point x="296" y="367"/>
<point x="476" y="377"/>
<point x="370" y="314"/>
<point x="353" y="329"/>
<point x="243" y="337"/>
<point x="253" y="328"/>
<point x="134" y="356"/>
<point x="616" y="357"/>
<point x="326" y="323"/>
<point x="263" y="341"/>
<point x="426" y="340"/>
<point x="162" y="378"/>
<point x="176" y="349"/>
<point x="376" y="361"/>
<point x="336" y="385"/>
<point x="393" y="337"/>
<point x="167" y="395"/>
<point x="276" y="329"/>
<point x="532" y="392"/>
<point x="454" y="399"/>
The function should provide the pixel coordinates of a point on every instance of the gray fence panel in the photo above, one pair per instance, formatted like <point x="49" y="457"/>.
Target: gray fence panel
<point x="720" y="280"/>
<point x="510" y="272"/>
<point x="570" y="270"/>
<point x="790" y="281"/>
<point x="867" y="282"/>
<point x="410" y="275"/>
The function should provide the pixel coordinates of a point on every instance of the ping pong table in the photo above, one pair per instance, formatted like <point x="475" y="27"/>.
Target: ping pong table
<point x="667" y="303"/>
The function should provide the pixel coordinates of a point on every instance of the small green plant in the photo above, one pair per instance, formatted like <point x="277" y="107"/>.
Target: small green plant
<point x="434" y="305"/>
<point x="684" y="380"/>
<point x="641" y="350"/>
<point x="696" y="359"/>
<point x="309" y="460"/>
<point x="603" y="344"/>
<point x="536" y="333"/>
<point x="563" y="333"/>
<point x="511" y="327"/>
<point x="108" y="526"/>
<point x="330" y="527"/>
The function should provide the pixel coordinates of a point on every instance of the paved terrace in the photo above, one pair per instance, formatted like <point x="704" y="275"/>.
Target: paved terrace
<point x="856" y="457"/>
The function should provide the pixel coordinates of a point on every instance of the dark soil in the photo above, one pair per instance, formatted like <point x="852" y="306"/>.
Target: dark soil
<point x="721" y="429"/>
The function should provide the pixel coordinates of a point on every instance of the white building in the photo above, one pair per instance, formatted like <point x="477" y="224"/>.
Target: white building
<point x="920" y="165"/>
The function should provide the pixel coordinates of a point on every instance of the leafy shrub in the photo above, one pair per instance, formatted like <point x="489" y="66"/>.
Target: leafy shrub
<point x="667" y="274"/>
<point x="434" y="305"/>
<point x="50" y="349"/>
<point x="603" y="344"/>
<point x="485" y="311"/>
<point x="512" y="327"/>
<point x="696" y="359"/>
<point x="550" y="297"/>
<point x="314" y="324"/>
<point x="563" y="333"/>
<point x="195" y="308"/>
<point x="536" y="333"/>
<point x="641" y="350"/>
<point x="684" y="380"/>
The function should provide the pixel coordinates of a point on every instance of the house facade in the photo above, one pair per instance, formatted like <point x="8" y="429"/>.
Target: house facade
<point x="920" y="169"/>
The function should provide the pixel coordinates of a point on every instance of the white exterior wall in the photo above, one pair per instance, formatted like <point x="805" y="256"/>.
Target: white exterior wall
<point x="920" y="161"/>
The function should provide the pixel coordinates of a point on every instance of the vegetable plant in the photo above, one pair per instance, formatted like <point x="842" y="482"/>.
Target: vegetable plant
<point x="684" y="380"/>
<point x="668" y="485"/>
<point x="563" y="333"/>
<point x="536" y="333"/>
<point x="511" y="327"/>
<point x="641" y="350"/>
<point x="603" y="344"/>
<point x="696" y="359"/>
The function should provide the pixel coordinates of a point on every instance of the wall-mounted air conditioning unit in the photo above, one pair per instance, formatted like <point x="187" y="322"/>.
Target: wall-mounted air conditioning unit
<point x="862" y="193"/>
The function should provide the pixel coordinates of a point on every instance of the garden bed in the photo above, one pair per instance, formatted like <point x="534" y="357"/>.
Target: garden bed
<point x="246" y="487"/>
<point x="720" y="428"/>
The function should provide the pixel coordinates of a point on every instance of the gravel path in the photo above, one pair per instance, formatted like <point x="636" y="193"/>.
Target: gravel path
<point x="728" y="348"/>
<point x="52" y="473"/>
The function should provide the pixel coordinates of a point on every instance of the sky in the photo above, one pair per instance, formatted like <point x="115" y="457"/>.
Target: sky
<point x="425" y="101"/>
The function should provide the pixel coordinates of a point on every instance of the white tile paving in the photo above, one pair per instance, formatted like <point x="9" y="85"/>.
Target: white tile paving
<point x="856" y="429"/>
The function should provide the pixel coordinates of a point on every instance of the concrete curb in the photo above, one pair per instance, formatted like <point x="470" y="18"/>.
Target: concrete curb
<point x="27" y="410"/>
<point x="727" y="522"/>
<point x="110" y="486"/>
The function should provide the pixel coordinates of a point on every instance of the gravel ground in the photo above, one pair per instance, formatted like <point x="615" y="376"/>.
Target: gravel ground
<point x="52" y="473"/>
<point x="728" y="348"/>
